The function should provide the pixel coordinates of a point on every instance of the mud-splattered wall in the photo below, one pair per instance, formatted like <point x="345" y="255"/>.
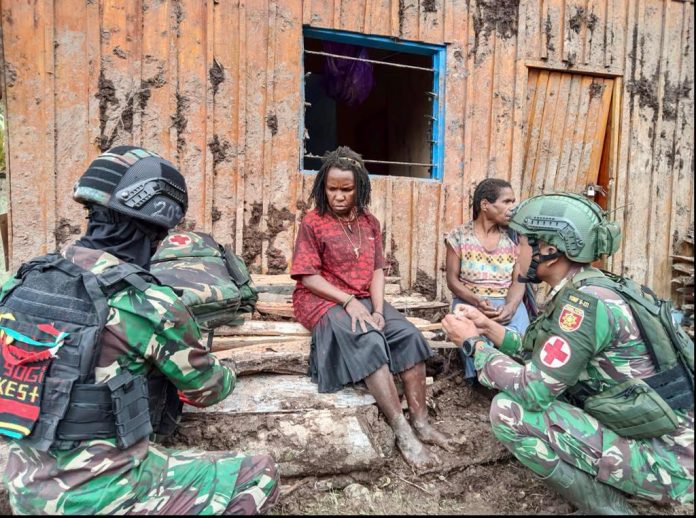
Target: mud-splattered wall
<point x="215" y="86"/>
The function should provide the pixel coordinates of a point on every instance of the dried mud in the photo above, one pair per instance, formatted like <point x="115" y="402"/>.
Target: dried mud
<point x="65" y="231"/>
<point x="481" y="477"/>
<point x="500" y="16"/>
<point x="107" y="97"/>
<point x="596" y="90"/>
<point x="429" y="6"/>
<point x="216" y="74"/>
<point x="218" y="149"/>
<point x="425" y="285"/>
<point x="392" y="261"/>
<point x="179" y="121"/>
<point x="272" y="123"/>
<point x="277" y="221"/>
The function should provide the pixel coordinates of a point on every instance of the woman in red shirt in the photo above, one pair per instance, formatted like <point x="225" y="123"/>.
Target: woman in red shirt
<point x="338" y="265"/>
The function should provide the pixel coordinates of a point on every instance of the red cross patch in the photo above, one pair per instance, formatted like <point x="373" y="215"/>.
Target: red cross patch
<point x="555" y="352"/>
<point x="570" y="318"/>
<point x="179" y="239"/>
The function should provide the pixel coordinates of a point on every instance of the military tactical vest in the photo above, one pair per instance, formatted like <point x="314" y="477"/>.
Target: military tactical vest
<point x="651" y="401"/>
<point x="51" y="321"/>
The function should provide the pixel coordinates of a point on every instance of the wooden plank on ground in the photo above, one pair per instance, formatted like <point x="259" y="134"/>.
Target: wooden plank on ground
<point x="286" y="356"/>
<point x="281" y="309"/>
<point x="223" y="343"/>
<point x="289" y="329"/>
<point x="289" y="357"/>
<point x="284" y="309"/>
<point x="353" y="438"/>
<point x="283" y="393"/>
<point x="273" y="283"/>
<point x="264" y="328"/>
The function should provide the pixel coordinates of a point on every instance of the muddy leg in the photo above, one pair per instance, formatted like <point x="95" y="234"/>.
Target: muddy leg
<point x="414" y="388"/>
<point x="381" y="385"/>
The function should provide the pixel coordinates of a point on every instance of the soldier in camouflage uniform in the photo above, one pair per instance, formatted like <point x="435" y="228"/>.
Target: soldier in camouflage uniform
<point x="148" y="332"/>
<point x="585" y="336"/>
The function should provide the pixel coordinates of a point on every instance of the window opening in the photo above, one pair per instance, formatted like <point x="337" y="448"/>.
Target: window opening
<point x="379" y="96"/>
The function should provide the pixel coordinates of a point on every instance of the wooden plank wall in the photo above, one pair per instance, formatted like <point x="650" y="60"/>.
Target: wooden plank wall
<point x="216" y="86"/>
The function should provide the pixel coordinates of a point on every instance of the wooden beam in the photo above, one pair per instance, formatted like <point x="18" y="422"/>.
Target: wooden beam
<point x="301" y="442"/>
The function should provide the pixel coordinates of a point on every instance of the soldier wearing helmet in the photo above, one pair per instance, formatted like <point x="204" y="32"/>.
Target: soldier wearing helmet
<point x="124" y="353"/>
<point x="603" y="407"/>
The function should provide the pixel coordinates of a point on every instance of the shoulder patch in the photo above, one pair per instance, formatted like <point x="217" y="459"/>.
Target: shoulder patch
<point x="570" y="318"/>
<point x="555" y="352"/>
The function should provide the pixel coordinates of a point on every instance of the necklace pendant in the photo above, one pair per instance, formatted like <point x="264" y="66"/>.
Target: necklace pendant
<point x="357" y="251"/>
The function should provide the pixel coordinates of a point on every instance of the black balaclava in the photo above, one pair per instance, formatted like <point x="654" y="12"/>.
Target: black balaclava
<point x="127" y="238"/>
<point x="537" y="259"/>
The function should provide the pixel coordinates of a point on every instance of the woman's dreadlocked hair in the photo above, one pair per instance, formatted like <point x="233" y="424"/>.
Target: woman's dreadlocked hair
<point x="345" y="159"/>
<point x="488" y="189"/>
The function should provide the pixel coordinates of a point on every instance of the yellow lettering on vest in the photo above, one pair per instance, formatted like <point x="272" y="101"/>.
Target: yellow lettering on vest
<point x="34" y="394"/>
<point x="22" y="391"/>
<point x="10" y="389"/>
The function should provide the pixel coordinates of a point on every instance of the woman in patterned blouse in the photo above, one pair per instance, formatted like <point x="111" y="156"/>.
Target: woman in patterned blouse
<point x="483" y="260"/>
<point x="357" y="336"/>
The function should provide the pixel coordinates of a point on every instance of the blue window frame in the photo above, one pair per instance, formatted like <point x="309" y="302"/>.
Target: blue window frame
<point x="407" y="76"/>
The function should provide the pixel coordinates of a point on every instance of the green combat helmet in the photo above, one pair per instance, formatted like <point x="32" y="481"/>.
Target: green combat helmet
<point x="573" y="224"/>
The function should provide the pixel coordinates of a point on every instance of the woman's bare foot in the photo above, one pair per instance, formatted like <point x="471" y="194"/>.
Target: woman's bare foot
<point x="429" y="435"/>
<point x="413" y="450"/>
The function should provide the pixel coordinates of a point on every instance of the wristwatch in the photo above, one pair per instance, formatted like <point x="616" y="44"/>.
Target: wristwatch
<point x="469" y="345"/>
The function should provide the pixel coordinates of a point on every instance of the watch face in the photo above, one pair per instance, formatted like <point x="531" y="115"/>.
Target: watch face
<point x="468" y="347"/>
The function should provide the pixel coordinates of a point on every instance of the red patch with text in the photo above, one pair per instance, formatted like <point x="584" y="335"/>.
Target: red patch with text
<point x="555" y="353"/>
<point x="570" y="318"/>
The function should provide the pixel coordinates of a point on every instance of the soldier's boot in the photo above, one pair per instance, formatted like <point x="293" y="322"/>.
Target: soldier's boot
<point x="586" y="493"/>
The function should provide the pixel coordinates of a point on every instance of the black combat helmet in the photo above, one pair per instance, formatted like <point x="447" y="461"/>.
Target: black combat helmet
<point x="135" y="182"/>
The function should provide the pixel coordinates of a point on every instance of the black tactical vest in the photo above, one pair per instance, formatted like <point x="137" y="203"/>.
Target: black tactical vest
<point x="56" y="299"/>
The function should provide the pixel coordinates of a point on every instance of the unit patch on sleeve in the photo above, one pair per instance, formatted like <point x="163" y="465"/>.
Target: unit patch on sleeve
<point x="570" y="318"/>
<point x="555" y="352"/>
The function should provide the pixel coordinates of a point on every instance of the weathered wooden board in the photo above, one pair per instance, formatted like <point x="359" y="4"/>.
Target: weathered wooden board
<point x="282" y="355"/>
<point x="217" y="87"/>
<point x="288" y="357"/>
<point x="283" y="393"/>
<point x="290" y="329"/>
<point x="312" y="442"/>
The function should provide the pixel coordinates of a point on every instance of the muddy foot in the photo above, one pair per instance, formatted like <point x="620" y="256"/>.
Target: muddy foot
<point x="413" y="450"/>
<point x="429" y="435"/>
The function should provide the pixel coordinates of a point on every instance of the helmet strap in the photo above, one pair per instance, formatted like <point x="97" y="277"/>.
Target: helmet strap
<point x="537" y="259"/>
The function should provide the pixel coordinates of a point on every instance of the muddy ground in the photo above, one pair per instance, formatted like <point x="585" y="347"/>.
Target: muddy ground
<point x="480" y="478"/>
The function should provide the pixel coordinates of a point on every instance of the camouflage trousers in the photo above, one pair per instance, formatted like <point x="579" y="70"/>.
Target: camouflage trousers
<point x="164" y="481"/>
<point x="660" y="469"/>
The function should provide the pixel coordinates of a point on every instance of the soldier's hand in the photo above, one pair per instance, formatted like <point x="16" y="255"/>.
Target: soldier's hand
<point x="458" y="328"/>
<point x="481" y="321"/>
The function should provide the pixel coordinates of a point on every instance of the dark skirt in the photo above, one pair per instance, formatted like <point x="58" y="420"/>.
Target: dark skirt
<point x="340" y="357"/>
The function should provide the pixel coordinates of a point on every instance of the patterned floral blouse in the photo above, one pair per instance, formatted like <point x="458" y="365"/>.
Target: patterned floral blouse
<point x="486" y="274"/>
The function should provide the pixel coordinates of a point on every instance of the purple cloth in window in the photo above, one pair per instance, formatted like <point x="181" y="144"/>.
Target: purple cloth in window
<point x="347" y="80"/>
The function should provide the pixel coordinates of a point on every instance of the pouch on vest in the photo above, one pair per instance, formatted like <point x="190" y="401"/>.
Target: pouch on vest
<point x="670" y="348"/>
<point x="69" y="305"/>
<point x="633" y="410"/>
<point x="23" y="365"/>
<point x="214" y="282"/>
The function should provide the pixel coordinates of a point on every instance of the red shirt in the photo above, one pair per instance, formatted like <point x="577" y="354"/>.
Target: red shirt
<point x="323" y="248"/>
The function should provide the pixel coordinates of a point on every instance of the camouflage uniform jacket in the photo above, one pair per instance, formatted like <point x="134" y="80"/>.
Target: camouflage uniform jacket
<point x="144" y="331"/>
<point x="587" y="335"/>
